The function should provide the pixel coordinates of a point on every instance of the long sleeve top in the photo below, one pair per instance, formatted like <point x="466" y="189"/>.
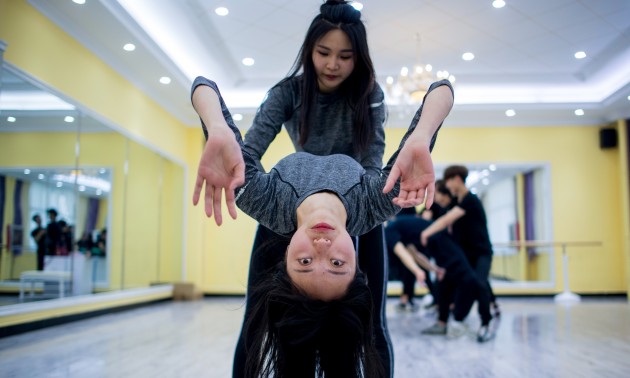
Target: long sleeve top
<point x="273" y="198"/>
<point x="330" y="132"/>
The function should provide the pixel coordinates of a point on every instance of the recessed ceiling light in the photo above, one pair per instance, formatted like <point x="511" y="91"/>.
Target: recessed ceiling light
<point x="81" y="2"/>
<point x="498" y="3"/>
<point x="59" y="184"/>
<point x="248" y="61"/>
<point x="628" y="98"/>
<point x="580" y="55"/>
<point x="129" y="47"/>
<point x="510" y="113"/>
<point x="41" y="176"/>
<point x="579" y="112"/>
<point x="356" y="5"/>
<point x="492" y="167"/>
<point x="468" y="56"/>
<point x="81" y="188"/>
<point x="237" y="117"/>
<point x="11" y="119"/>
<point x="99" y="192"/>
<point x="222" y="11"/>
<point x="69" y="119"/>
<point x="390" y="81"/>
<point x="27" y="171"/>
<point x="165" y="80"/>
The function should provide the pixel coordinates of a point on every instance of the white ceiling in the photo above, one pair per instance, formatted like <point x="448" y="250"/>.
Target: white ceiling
<point x="524" y="51"/>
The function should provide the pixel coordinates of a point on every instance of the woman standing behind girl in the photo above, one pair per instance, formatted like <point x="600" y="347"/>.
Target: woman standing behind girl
<point x="329" y="103"/>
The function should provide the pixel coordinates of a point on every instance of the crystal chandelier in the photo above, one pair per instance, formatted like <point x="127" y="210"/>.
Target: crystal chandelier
<point x="410" y="86"/>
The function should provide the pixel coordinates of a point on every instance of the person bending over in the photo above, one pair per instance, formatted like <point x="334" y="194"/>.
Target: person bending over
<point x="457" y="284"/>
<point x="467" y="219"/>
<point x="319" y="202"/>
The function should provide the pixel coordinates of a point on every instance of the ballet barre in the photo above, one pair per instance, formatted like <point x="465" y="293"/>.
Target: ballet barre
<point x="566" y="296"/>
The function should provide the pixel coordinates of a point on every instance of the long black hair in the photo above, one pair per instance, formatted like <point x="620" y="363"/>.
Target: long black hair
<point x="290" y="335"/>
<point x="335" y="14"/>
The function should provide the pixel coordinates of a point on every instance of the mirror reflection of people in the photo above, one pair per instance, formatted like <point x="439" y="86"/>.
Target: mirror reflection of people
<point x="101" y="243"/>
<point x="65" y="243"/>
<point x="53" y="233"/>
<point x="314" y="310"/>
<point x="85" y="244"/>
<point x="39" y="236"/>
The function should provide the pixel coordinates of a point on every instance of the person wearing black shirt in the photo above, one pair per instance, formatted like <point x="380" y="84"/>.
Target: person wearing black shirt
<point x="39" y="235"/>
<point x="457" y="281"/>
<point x="469" y="227"/>
<point x="53" y="233"/>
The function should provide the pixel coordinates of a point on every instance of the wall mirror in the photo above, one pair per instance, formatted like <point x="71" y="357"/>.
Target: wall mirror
<point x="118" y="202"/>
<point x="517" y="201"/>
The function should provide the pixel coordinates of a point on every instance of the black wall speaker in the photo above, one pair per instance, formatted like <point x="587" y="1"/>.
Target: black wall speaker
<point x="607" y="138"/>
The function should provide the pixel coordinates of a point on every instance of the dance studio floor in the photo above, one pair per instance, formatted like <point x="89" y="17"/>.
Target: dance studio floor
<point x="535" y="338"/>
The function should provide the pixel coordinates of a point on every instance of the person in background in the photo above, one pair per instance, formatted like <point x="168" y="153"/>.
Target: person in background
<point x="39" y="236"/>
<point x="53" y="234"/>
<point x="469" y="228"/>
<point x="85" y="244"/>
<point x="101" y="243"/>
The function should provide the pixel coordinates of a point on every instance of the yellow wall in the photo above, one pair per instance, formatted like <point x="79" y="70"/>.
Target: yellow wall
<point x="171" y="216"/>
<point x="623" y="204"/>
<point x="7" y="258"/>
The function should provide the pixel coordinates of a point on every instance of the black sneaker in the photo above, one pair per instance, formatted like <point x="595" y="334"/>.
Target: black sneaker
<point x="401" y="307"/>
<point x="435" y="329"/>
<point x="484" y="334"/>
<point x="496" y="311"/>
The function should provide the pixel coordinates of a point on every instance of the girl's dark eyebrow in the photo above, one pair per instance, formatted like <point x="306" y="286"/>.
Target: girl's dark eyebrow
<point x="336" y="273"/>
<point x="303" y="270"/>
<point x="326" y="48"/>
<point x="328" y="270"/>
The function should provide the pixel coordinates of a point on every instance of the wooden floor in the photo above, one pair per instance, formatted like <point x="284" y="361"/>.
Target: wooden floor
<point x="536" y="338"/>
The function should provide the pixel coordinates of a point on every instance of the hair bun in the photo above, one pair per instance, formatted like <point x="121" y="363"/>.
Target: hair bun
<point x="339" y="11"/>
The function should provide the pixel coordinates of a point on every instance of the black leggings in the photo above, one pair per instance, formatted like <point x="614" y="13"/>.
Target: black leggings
<point x="481" y="264"/>
<point x="459" y="286"/>
<point x="409" y="283"/>
<point x="372" y="261"/>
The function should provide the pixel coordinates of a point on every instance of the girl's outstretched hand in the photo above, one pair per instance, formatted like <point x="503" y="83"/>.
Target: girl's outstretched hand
<point x="414" y="167"/>
<point x="221" y="167"/>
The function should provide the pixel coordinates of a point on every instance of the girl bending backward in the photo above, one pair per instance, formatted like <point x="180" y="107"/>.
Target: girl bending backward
<point x="313" y="314"/>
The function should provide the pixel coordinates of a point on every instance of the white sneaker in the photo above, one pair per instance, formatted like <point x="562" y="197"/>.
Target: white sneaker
<point x="456" y="329"/>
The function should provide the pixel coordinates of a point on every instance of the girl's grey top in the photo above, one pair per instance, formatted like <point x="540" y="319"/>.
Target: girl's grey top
<point x="331" y="129"/>
<point x="273" y="198"/>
